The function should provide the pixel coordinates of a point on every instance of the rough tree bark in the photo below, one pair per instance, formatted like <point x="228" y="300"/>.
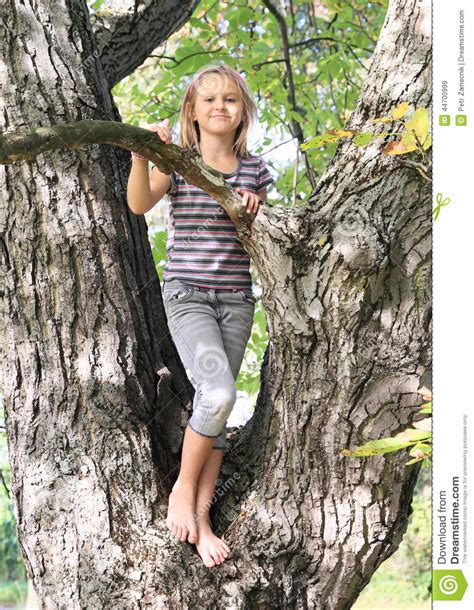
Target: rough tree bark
<point x="125" y="40"/>
<point x="96" y="397"/>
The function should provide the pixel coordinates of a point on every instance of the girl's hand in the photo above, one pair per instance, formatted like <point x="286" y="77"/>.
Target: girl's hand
<point x="163" y="131"/>
<point x="250" y="200"/>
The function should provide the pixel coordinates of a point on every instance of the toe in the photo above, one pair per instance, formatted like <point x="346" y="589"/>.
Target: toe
<point x="206" y="558"/>
<point x="209" y="561"/>
<point x="193" y="535"/>
<point x="224" y="551"/>
<point x="216" y="556"/>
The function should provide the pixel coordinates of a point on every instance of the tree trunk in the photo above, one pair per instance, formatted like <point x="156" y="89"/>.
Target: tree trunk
<point x="97" y="399"/>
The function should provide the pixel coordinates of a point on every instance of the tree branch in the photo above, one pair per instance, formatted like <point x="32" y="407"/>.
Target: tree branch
<point x="19" y="146"/>
<point x="124" y="41"/>
<point x="295" y="128"/>
<point x="4" y="483"/>
<point x="177" y="62"/>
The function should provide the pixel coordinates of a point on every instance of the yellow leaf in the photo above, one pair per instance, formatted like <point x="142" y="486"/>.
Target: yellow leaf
<point x="400" y="110"/>
<point x="409" y="139"/>
<point x="342" y="133"/>
<point x="386" y="119"/>
<point x="397" y="148"/>
<point x="318" y="141"/>
<point x="419" y="123"/>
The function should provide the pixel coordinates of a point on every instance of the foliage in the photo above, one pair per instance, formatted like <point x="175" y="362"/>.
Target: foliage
<point x="417" y="438"/>
<point x="415" y="135"/>
<point x="306" y="87"/>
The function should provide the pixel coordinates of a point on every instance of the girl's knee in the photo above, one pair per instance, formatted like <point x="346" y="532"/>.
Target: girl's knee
<point x="222" y="401"/>
<point x="212" y="409"/>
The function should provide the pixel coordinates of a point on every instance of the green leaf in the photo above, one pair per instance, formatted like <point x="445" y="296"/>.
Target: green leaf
<point x="260" y="47"/>
<point x="414" y="461"/>
<point x="377" y="447"/>
<point x="363" y="138"/>
<point x="97" y="4"/>
<point x="427" y="408"/>
<point x="319" y="141"/>
<point x="420" y="447"/>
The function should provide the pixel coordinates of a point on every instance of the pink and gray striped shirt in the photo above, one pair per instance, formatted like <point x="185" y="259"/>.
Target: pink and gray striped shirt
<point x="202" y="247"/>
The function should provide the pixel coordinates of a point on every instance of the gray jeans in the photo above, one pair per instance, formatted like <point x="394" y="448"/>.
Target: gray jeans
<point x="210" y="328"/>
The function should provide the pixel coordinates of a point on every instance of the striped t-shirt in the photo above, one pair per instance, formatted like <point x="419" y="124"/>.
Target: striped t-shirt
<point x="202" y="247"/>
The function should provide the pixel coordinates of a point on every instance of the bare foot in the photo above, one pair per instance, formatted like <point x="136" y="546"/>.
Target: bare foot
<point x="180" y="519"/>
<point x="213" y="550"/>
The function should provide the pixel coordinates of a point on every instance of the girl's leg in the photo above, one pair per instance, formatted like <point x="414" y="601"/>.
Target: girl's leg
<point x="235" y="324"/>
<point x="182" y="501"/>
<point x="195" y="330"/>
<point x="212" y="549"/>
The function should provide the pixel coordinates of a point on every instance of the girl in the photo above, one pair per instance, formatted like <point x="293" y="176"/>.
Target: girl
<point x="207" y="289"/>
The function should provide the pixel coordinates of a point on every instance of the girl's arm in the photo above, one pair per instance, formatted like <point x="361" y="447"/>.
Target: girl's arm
<point x="138" y="187"/>
<point x="143" y="192"/>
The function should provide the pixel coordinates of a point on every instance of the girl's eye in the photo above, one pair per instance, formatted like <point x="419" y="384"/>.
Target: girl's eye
<point x="211" y="99"/>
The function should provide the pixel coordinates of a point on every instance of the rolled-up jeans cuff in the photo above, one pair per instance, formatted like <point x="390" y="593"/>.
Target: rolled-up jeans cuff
<point x="221" y="442"/>
<point x="201" y="433"/>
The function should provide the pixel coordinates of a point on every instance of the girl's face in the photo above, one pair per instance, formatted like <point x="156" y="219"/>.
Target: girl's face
<point x="218" y="106"/>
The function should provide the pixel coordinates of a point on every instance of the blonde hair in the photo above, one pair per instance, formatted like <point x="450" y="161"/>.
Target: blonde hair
<point x="189" y="133"/>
